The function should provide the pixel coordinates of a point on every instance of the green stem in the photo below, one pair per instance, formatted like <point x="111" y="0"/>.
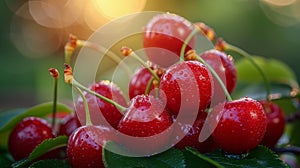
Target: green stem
<point x="214" y="73"/>
<point x="250" y="58"/>
<point x="186" y="42"/>
<point x="133" y="54"/>
<point x="77" y="84"/>
<point x="116" y="59"/>
<point x="88" y="120"/>
<point x="54" y="103"/>
<point x="149" y="85"/>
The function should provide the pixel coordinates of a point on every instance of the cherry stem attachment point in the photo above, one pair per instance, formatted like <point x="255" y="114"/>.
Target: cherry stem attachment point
<point x="213" y="72"/>
<point x="244" y="54"/>
<point x="68" y="75"/>
<point x="126" y="51"/>
<point x="55" y="74"/>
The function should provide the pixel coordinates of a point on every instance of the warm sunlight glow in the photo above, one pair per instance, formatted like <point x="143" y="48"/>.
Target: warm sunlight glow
<point x="117" y="8"/>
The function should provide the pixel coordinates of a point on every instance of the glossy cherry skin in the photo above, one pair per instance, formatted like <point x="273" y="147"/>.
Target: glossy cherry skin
<point x="179" y="85"/>
<point x="275" y="123"/>
<point x="68" y="124"/>
<point x="241" y="126"/>
<point x="27" y="134"/>
<point x="139" y="82"/>
<point x="224" y="66"/>
<point x="166" y="33"/>
<point x="146" y="117"/>
<point x="191" y="138"/>
<point x="85" y="146"/>
<point x="98" y="106"/>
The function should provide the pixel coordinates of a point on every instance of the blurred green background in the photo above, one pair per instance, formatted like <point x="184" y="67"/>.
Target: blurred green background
<point x="33" y="34"/>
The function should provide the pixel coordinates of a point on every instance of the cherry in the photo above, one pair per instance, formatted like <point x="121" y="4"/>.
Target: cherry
<point x="139" y="82"/>
<point x="275" y="123"/>
<point x="109" y="111"/>
<point x="167" y="33"/>
<point x="145" y="117"/>
<point x="68" y="124"/>
<point x="180" y="83"/>
<point x="85" y="146"/>
<point x="223" y="65"/>
<point x="27" y="134"/>
<point x="191" y="138"/>
<point x="240" y="125"/>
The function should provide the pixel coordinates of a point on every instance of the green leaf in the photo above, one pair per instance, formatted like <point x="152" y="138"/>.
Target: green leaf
<point x="50" y="163"/>
<point x="258" y="157"/>
<point x="10" y="118"/>
<point x="44" y="147"/>
<point x="5" y="159"/>
<point x="194" y="158"/>
<point x="170" y="158"/>
<point x="275" y="70"/>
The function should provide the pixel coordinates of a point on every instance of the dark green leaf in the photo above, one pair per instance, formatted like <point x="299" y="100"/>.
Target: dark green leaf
<point x="275" y="70"/>
<point x="5" y="159"/>
<point x="41" y="110"/>
<point x="194" y="159"/>
<point x="46" y="146"/>
<point x="258" y="157"/>
<point x="170" y="158"/>
<point x="50" y="163"/>
<point x="7" y="115"/>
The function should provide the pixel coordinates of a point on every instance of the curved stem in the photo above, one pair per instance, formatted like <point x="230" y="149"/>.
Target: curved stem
<point x="214" y="73"/>
<point x="149" y="85"/>
<point x="289" y="149"/>
<point x="88" y="120"/>
<point x="126" y="51"/>
<point x="243" y="53"/>
<point x="186" y="42"/>
<point x="120" y="107"/>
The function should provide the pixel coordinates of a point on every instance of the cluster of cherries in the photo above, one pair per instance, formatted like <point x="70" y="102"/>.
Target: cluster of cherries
<point x="169" y="91"/>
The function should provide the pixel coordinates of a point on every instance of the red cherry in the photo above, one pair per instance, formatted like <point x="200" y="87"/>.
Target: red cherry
<point x="27" y="134"/>
<point x="241" y="126"/>
<point x="166" y="33"/>
<point x="275" y="123"/>
<point x="145" y="117"/>
<point x="68" y="124"/>
<point x="180" y="83"/>
<point x="85" y="146"/>
<point x="97" y="105"/>
<point x="224" y="66"/>
<point x="139" y="81"/>
<point x="191" y="138"/>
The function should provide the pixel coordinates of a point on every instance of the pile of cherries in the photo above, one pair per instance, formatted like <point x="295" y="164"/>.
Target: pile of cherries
<point x="170" y="90"/>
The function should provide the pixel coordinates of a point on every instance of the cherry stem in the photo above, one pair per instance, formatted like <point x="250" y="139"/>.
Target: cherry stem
<point x="54" y="73"/>
<point x="214" y="73"/>
<point x="129" y="52"/>
<point x="186" y="42"/>
<point x="74" y="43"/>
<point x="243" y="53"/>
<point x="88" y="120"/>
<point x="120" y="107"/>
<point x="288" y="149"/>
<point x="149" y="85"/>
